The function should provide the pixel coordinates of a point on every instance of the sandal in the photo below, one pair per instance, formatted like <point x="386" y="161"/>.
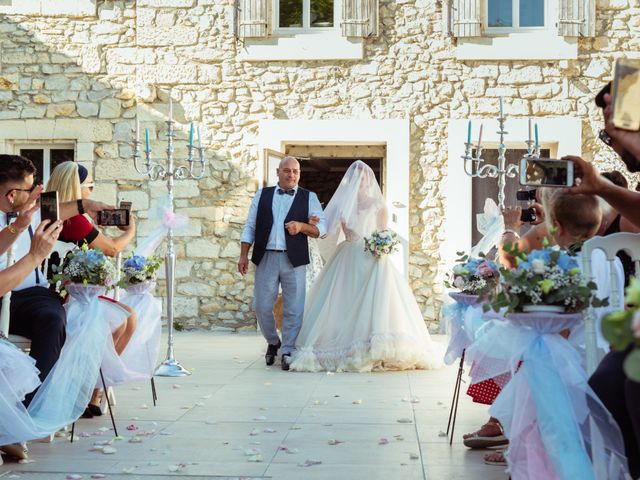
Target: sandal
<point x="480" y="439"/>
<point x="496" y="458"/>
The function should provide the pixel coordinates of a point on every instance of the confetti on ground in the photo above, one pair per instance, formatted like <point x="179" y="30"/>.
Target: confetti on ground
<point x="357" y="402"/>
<point x="255" y="458"/>
<point x="404" y="420"/>
<point x="296" y="427"/>
<point x="23" y="461"/>
<point x="84" y="434"/>
<point x="177" y="468"/>
<point x="254" y="443"/>
<point x="109" y="450"/>
<point x="327" y="424"/>
<point x="330" y="373"/>
<point x="175" y="386"/>
<point x="210" y="422"/>
<point x="399" y="438"/>
<point x="186" y="407"/>
<point x="144" y="406"/>
<point x="254" y="432"/>
<point x="260" y="418"/>
<point x="199" y="404"/>
<point x="442" y="434"/>
<point x="269" y="430"/>
<point x="336" y="396"/>
<point x="440" y="403"/>
<point x="335" y="442"/>
<point x="135" y="440"/>
<point x="103" y="429"/>
<point x="132" y="427"/>
<point x="98" y="475"/>
<point x="206" y="397"/>
<point x="166" y="433"/>
<point x="73" y="476"/>
<point x="310" y="463"/>
<point x="128" y="470"/>
<point x="383" y="441"/>
<point x="414" y="456"/>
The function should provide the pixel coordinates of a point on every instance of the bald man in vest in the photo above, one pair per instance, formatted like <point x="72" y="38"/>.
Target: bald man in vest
<point x="279" y="222"/>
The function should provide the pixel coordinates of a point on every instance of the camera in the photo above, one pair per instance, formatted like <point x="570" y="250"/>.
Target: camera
<point x="526" y="195"/>
<point x="118" y="217"/>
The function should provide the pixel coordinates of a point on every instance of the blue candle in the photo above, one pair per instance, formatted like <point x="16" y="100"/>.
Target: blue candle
<point x="469" y="132"/>
<point x="191" y="135"/>
<point x="146" y="136"/>
<point x="536" y="132"/>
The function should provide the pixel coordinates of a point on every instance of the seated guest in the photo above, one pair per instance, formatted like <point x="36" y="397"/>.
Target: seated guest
<point x="36" y="312"/>
<point x="73" y="181"/>
<point x="18" y="375"/>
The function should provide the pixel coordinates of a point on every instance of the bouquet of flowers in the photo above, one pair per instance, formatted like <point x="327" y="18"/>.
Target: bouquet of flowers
<point x="87" y="266"/>
<point x="381" y="242"/>
<point x="549" y="277"/>
<point x="622" y="329"/>
<point x="138" y="269"/>
<point x="474" y="276"/>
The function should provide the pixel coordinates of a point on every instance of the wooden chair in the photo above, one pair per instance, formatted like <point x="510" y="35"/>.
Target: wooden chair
<point x="610" y="245"/>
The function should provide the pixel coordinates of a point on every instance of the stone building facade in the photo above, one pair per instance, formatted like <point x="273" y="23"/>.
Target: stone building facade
<point x="76" y="75"/>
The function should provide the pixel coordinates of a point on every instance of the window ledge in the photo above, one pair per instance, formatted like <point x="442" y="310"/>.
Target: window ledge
<point x="305" y="46"/>
<point x="68" y="8"/>
<point x="540" y="45"/>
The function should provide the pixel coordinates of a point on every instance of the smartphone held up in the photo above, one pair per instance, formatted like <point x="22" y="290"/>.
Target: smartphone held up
<point x="49" y="206"/>
<point x="626" y="94"/>
<point x="118" y="217"/>
<point x="546" y="172"/>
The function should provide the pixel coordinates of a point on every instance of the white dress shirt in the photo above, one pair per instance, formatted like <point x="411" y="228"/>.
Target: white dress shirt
<point x="280" y="208"/>
<point x="21" y="247"/>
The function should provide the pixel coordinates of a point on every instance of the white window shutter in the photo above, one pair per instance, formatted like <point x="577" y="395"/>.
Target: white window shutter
<point x="577" y="18"/>
<point x="252" y="18"/>
<point x="359" y="18"/>
<point x="465" y="17"/>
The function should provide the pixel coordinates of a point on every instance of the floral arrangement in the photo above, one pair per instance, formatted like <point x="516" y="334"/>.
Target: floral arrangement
<point x="550" y="277"/>
<point x="87" y="266"/>
<point x="138" y="269"/>
<point x="622" y="329"/>
<point x="381" y="242"/>
<point x="474" y="276"/>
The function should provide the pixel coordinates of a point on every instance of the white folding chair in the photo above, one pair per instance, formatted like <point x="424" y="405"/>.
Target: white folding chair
<point x="610" y="245"/>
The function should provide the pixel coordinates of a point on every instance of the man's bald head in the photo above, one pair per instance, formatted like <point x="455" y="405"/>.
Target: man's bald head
<point x="288" y="172"/>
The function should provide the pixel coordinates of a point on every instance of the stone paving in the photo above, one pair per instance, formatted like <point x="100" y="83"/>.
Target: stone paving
<point x="235" y="418"/>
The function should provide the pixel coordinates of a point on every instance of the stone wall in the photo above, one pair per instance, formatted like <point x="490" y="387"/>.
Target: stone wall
<point x="81" y="77"/>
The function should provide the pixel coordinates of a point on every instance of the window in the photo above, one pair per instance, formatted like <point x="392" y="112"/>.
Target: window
<point x="515" y="14"/>
<point x="295" y="16"/>
<point x="46" y="158"/>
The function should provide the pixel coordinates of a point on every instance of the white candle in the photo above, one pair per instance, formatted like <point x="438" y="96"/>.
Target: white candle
<point x="529" y="128"/>
<point x="170" y="106"/>
<point x="480" y="135"/>
<point x="501" y="107"/>
<point x="200" y="136"/>
<point x="137" y="126"/>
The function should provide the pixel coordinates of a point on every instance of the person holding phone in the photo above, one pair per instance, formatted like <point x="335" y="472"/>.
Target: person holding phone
<point x="73" y="181"/>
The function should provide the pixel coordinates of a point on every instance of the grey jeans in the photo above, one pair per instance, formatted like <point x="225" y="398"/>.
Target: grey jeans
<point x="276" y="270"/>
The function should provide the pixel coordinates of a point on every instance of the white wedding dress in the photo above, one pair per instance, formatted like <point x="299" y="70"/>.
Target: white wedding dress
<point x="360" y="314"/>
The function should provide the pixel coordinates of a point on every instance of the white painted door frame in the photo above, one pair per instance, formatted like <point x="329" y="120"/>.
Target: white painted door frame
<point x="275" y="134"/>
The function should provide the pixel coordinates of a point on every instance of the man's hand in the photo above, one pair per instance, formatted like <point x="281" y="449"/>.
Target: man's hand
<point x="511" y="217"/>
<point x="243" y="264"/>
<point x="91" y="207"/>
<point x="25" y="213"/>
<point x="539" y="214"/>
<point x="587" y="179"/>
<point x="627" y="139"/>
<point x="314" y="220"/>
<point x="44" y="238"/>
<point x="294" y="228"/>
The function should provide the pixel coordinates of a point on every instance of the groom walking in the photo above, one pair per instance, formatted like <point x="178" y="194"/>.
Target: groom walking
<point x="278" y="226"/>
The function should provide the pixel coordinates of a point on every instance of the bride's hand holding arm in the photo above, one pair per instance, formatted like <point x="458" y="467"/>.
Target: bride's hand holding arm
<point x="316" y="224"/>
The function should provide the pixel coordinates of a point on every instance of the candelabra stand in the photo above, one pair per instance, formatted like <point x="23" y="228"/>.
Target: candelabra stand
<point x="474" y="167"/>
<point x="154" y="170"/>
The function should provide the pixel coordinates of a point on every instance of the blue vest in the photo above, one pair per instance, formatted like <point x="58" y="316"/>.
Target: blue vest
<point x="297" y="245"/>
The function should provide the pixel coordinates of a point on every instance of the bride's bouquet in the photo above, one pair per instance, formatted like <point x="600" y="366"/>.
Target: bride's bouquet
<point x="381" y="242"/>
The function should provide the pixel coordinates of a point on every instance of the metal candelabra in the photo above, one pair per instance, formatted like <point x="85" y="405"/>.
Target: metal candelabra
<point x="154" y="170"/>
<point x="474" y="167"/>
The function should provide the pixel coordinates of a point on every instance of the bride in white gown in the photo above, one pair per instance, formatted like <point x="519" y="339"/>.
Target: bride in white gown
<point x="360" y="314"/>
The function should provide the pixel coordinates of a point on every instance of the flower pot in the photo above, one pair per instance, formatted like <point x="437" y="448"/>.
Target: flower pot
<point x="465" y="299"/>
<point x="84" y="293"/>
<point x="141" y="288"/>
<point x="543" y="308"/>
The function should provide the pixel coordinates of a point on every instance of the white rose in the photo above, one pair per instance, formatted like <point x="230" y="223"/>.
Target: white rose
<point x="458" y="283"/>
<point x="537" y="265"/>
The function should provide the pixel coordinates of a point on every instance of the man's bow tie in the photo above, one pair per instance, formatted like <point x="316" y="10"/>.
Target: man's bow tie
<point x="288" y="192"/>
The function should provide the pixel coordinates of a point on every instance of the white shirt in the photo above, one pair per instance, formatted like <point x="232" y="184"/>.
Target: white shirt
<point x="280" y="208"/>
<point x="21" y="247"/>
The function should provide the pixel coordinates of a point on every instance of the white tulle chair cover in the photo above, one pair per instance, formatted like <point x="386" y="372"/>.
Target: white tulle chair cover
<point x="66" y="391"/>
<point x="556" y="425"/>
<point x="462" y="318"/>
<point x="18" y="376"/>
<point x="139" y="357"/>
<point x="358" y="204"/>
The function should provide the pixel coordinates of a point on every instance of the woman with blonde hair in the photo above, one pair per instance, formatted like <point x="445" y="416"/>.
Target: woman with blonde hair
<point x="73" y="181"/>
